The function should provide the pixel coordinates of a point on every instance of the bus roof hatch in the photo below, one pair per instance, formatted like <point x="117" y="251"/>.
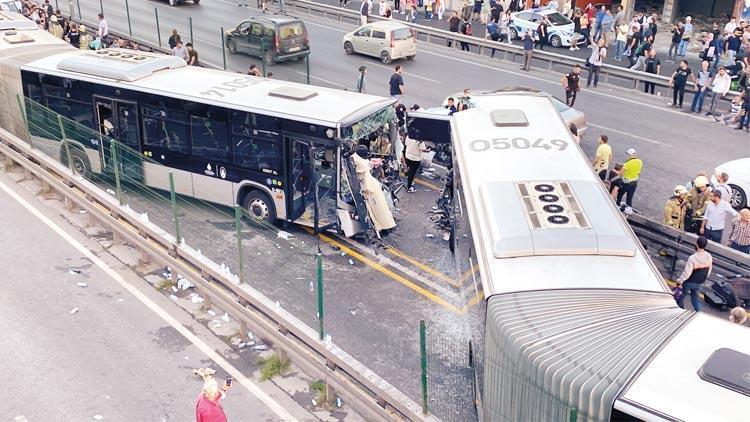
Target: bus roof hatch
<point x="119" y="64"/>
<point x="16" y="21"/>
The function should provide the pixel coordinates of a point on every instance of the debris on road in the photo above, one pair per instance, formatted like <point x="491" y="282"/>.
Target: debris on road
<point x="74" y="271"/>
<point x="195" y="298"/>
<point x="225" y="317"/>
<point x="429" y="235"/>
<point x="211" y="312"/>
<point x="74" y="310"/>
<point x="173" y="297"/>
<point x="284" y="235"/>
<point x="183" y="283"/>
<point x="81" y="284"/>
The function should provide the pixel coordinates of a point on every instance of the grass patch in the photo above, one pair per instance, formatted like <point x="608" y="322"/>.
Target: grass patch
<point x="165" y="284"/>
<point x="272" y="366"/>
<point x="318" y="388"/>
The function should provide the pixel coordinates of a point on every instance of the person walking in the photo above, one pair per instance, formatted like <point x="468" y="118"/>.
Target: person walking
<point x="678" y="81"/>
<point x="571" y="85"/>
<point x="528" y="50"/>
<point x="413" y="150"/>
<point x="714" y="220"/>
<point x="687" y="33"/>
<point x="396" y="83"/>
<point x="631" y="171"/>
<point x="207" y="406"/>
<point x="675" y="208"/>
<point x="173" y="39"/>
<point x="595" y="62"/>
<point x="361" y="81"/>
<point x="702" y="82"/>
<point x="653" y="66"/>
<point x="739" y="233"/>
<point x="719" y="88"/>
<point x="603" y="155"/>
<point x="364" y="11"/>
<point x="697" y="269"/>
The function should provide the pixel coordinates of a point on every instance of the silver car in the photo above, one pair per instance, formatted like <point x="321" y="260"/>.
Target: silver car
<point x="387" y="40"/>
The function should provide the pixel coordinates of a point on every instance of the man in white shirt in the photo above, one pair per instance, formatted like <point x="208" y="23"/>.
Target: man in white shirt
<point x="715" y="217"/>
<point x="413" y="159"/>
<point x="722" y="186"/>
<point x="180" y="51"/>
<point x="103" y="28"/>
<point x="730" y="26"/>
<point x="719" y="88"/>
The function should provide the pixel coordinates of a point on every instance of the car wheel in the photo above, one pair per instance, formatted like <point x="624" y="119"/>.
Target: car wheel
<point x="410" y="57"/>
<point x="555" y="41"/>
<point x="513" y="33"/>
<point x="259" y="207"/>
<point x="385" y="57"/>
<point x="739" y="197"/>
<point x="348" y="48"/>
<point x="232" y="47"/>
<point x="268" y="58"/>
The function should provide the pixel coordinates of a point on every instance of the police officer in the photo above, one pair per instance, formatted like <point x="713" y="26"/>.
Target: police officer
<point x="697" y="202"/>
<point x="674" y="210"/>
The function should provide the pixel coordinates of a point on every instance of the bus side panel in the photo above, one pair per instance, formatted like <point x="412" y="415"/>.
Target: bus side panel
<point x="157" y="176"/>
<point x="211" y="189"/>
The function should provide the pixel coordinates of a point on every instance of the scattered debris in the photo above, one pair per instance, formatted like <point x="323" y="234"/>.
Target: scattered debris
<point x="338" y="402"/>
<point x="351" y="262"/>
<point x="204" y="373"/>
<point x="429" y="235"/>
<point x="284" y="235"/>
<point x="195" y="298"/>
<point x="312" y="286"/>
<point x="173" y="297"/>
<point x="335" y="248"/>
<point x="261" y="347"/>
<point x="434" y="207"/>
<point x="211" y="312"/>
<point x="183" y="283"/>
<point x="225" y="317"/>
<point x="111" y="192"/>
<point x="120" y="300"/>
<point x="98" y="417"/>
<point x="82" y="212"/>
<point x="175" y="289"/>
<point x="81" y="284"/>
<point x="74" y="271"/>
<point x="446" y="236"/>
<point x="74" y="310"/>
<point x="353" y="311"/>
<point x="343" y="253"/>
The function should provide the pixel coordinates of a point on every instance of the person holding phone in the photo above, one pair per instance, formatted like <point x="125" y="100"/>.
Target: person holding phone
<point x="208" y="407"/>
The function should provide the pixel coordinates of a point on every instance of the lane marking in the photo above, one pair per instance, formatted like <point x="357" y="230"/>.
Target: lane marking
<point x="251" y="387"/>
<point x="336" y="84"/>
<point x="421" y="265"/>
<point x="620" y="132"/>
<point x="406" y="75"/>
<point x="427" y="184"/>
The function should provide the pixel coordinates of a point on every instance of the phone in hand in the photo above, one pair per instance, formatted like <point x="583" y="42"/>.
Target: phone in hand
<point x="228" y="381"/>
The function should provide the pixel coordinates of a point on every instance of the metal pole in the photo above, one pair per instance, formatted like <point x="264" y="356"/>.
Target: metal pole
<point x="25" y="119"/>
<point x="57" y="5"/>
<point x="263" y="55"/>
<point x="78" y="3"/>
<point x="101" y="7"/>
<point x="238" y="227"/>
<point x="158" y="31"/>
<point x="173" y="198"/>
<point x="423" y="354"/>
<point x="319" y="274"/>
<point x="190" y="22"/>
<point x="573" y="416"/>
<point x="70" y="8"/>
<point x="116" y="165"/>
<point x="66" y="145"/>
<point x="223" y="47"/>
<point x="307" y="67"/>
<point x="127" y="11"/>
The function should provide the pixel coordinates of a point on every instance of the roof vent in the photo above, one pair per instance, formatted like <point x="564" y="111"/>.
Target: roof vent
<point x="12" y="37"/>
<point x="552" y="204"/>
<point x="293" y="93"/>
<point x="508" y="118"/>
<point x="119" y="64"/>
<point x="16" y="21"/>
<point x="729" y="369"/>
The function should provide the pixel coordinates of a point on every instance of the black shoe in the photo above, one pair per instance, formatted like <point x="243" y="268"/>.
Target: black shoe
<point x="738" y="128"/>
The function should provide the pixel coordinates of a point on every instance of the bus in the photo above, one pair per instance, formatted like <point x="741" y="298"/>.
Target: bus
<point x="577" y="322"/>
<point x="281" y="150"/>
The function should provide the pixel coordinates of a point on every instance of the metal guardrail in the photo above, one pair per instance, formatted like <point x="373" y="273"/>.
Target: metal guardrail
<point x="352" y="379"/>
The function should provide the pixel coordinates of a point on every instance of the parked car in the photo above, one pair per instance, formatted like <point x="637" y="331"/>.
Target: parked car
<point x="175" y="2"/>
<point x="560" y="28"/>
<point x="387" y="40"/>
<point x="11" y="6"/>
<point x="272" y="38"/>
<point x="739" y="181"/>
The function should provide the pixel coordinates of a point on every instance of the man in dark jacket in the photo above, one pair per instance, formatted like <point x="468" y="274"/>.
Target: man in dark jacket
<point x="454" y="22"/>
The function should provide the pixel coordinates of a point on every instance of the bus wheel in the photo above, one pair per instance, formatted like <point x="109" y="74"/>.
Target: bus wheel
<point x="259" y="206"/>
<point x="80" y="162"/>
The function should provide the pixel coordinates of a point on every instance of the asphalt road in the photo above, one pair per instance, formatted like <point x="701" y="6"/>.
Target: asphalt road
<point x="112" y="359"/>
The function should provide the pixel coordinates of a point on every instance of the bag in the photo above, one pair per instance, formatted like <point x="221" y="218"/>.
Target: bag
<point x="639" y="49"/>
<point x="468" y="29"/>
<point x="677" y="293"/>
<point x="725" y="291"/>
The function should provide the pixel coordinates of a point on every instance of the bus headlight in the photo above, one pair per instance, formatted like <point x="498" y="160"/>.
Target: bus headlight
<point x="330" y="133"/>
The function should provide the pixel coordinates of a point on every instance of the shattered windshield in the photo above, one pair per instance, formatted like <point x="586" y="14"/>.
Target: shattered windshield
<point x="368" y="125"/>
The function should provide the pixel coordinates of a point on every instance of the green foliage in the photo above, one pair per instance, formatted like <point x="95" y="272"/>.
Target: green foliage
<point x="272" y="366"/>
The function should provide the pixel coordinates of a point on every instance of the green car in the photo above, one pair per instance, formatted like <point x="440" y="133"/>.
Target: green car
<point x="274" y="39"/>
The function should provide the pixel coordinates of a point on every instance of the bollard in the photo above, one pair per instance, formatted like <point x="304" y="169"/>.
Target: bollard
<point x="423" y="356"/>
<point x="223" y="47"/>
<point x="238" y="228"/>
<point x="158" y="31"/>
<point x="307" y="67"/>
<point x="319" y="277"/>
<point x="173" y="198"/>
<point x="127" y="12"/>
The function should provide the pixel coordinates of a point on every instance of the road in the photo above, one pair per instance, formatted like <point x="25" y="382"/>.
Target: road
<point x="674" y="145"/>
<point x="96" y="352"/>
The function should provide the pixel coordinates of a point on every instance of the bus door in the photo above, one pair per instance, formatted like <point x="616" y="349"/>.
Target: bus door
<point x="119" y="120"/>
<point x="313" y="184"/>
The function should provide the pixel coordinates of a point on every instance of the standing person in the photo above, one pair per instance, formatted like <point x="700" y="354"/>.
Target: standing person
<point x="396" y="84"/>
<point x="612" y="180"/>
<point x="542" y="32"/>
<point x="476" y="10"/>
<point x="745" y="112"/>
<point x="192" y="55"/>
<point x="576" y="31"/>
<point x="687" y="33"/>
<point x="173" y="39"/>
<point x="466" y="11"/>
<point x="54" y="27"/>
<point x="396" y="5"/>
<point x="739" y="233"/>
<point x="413" y="156"/>
<point x="454" y="22"/>
<point x="364" y="11"/>
<point x="702" y="82"/>
<point x="621" y="35"/>
<point x="440" y="9"/>
<point x="603" y="155"/>
<point x="675" y="208"/>
<point x="676" y="38"/>
<point x="732" y="46"/>
<point x="641" y="52"/>
<point x="208" y="407"/>
<point x="180" y="51"/>
<point x="697" y="269"/>
<point x="465" y="30"/>
<point x="595" y="62"/>
<point x="714" y="220"/>
<point x="361" y="81"/>
<point x="719" y="88"/>
<point x="586" y="28"/>
<point x="86" y="40"/>
<point x="722" y="186"/>
<point x="599" y="23"/>
<point x="571" y="84"/>
<point x="653" y="65"/>
<point x="631" y="171"/>
<point x="698" y="199"/>
<point x="528" y="50"/>
<point x="74" y="37"/>
<point x="678" y="81"/>
<point x="103" y="28"/>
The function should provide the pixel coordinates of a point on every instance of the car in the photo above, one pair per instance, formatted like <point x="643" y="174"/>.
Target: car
<point x="272" y="38"/>
<point x="387" y="40"/>
<point x="11" y="6"/>
<point x="560" y="29"/>
<point x="739" y="181"/>
<point x="175" y="2"/>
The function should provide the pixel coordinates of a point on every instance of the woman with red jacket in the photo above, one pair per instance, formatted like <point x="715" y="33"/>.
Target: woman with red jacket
<point x="207" y="406"/>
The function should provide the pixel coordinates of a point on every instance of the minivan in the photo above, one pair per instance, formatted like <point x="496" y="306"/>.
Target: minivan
<point x="386" y="40"/>
<point x="274" y="39"/>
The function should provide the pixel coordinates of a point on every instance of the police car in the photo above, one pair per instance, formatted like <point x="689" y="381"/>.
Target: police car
<point x="560" y="27"/>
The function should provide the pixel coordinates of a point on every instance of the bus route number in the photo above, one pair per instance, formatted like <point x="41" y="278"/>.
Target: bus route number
<point x="517" y="143"/>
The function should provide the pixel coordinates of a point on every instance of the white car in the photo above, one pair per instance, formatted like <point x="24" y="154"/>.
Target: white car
<point x="560" y="27"/>
<point x="739" y="180"/>
<point x="387" y="40"/>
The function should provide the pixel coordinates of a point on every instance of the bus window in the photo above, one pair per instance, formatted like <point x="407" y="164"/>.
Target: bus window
<point x="209" y="139"/>
<point x="254" y="153"/>
<point x="165" y="128"/>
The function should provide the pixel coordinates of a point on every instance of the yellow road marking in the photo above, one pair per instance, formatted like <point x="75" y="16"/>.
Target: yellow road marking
<point x="474" y="300"/>
<point x="421" y="265"/>
<point x="427" y="184"/>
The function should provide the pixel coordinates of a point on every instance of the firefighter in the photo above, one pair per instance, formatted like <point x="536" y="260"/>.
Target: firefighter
<point x="696" y="203"/>
<point x="674" y="210"/>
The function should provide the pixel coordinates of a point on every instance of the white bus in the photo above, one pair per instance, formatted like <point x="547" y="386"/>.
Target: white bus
<point x="282" y="150"/>
<point x="578" y="322"/>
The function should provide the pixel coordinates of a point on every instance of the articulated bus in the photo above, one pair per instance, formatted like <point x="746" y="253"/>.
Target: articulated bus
<point x="282" y="150"/>
<point x="578" y="324"/>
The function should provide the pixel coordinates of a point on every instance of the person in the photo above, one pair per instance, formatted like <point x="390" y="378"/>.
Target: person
<point x="612" y="180"/>
<point x="678" y="81"/>
<point x="451" y="106"/>
<point x="173" y="39"/>
<point x="621" y="36"/>
<point x="702" y="82"/>
<point x="364" y="11"/>
<point x="738" y="315"/>
<point x="396" y="84"/>
<point x="719" y="88"/>
<point x="85" y="38"/>
<point x="641" y="52"/>
<point x="732" y="46"/>
<point x="731" y="25"/>
<point x="453" y="25"/>
<point x="653" y="65"/>
<point x="361" y="80"/>
<point x="207" y="406"/>
<point x="603" y="154"/>
<point x="571" y="84"/>
<point x="631" y="171"/>
<point x="401" y="115"/>
<point x="687" y="33"/>
<point x="733" y="115"/>
<point x="476" y="10"/>
<point x="675" y="208"/>
<point x="103" y="28"/>
<point x="528" y="50"/>
<point x="574" y="133"/>
<point x="576" y="31"/>
<point x="180" y="51"/>
<point x="269" y="75"/>
<point x="745" y="112"/>
<point x="192" y="55"/>
<point x="465" y="30"/>
<point x="413" y="159"/>
<point x="698" y="198"/>
<point x="598" y="25"/>
<point x="241" y="3"/>
<point x="715" y="217"/>
<point x="697" y="269"/>
<point x="254" y="71"/>
<point x="542" y="32"/>
<point x="739" y="233"/>
<point x="74" y="37"/>
<point x="595" y="61"/>
<point x="54" y="27"/>
<point x="586" y="29"/>
<point x="722" y="185"/>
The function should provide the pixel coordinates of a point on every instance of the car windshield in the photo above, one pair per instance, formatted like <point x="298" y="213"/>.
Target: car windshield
<point x="402" y="34"/>
<point x="291" y="30"/>
<point x="557" y="19"/>
<point x="559" y="105"/>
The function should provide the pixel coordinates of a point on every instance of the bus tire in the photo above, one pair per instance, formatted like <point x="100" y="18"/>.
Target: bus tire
<point x="259" y="206"/>
<point x="81" y="164"/>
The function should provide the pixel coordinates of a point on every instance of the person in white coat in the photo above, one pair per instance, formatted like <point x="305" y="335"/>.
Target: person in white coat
<point x="719" y="88"/>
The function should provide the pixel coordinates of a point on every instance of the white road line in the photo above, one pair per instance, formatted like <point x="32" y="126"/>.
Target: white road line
<point x="609" y="129"/>
<point x="321" y="79"/>
<point x="238" y="376"/>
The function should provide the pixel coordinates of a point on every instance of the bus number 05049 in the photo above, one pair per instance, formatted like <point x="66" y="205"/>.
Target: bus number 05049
<point x="517" y="143"/>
